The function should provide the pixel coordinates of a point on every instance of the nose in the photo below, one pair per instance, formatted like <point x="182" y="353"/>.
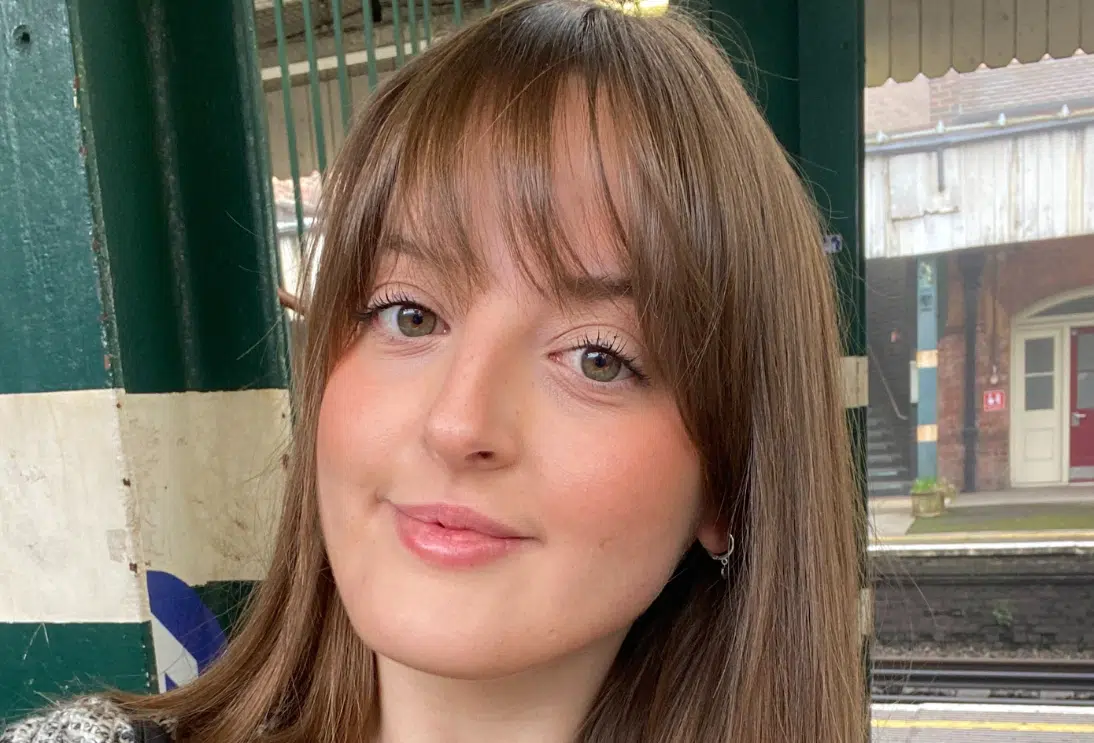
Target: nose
<point x="473" y="422"/>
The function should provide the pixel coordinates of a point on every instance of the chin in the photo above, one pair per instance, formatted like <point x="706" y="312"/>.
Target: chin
<point x="456" y="628"/>
<point x="438" y="645"/>
<point x="445" y="660"/>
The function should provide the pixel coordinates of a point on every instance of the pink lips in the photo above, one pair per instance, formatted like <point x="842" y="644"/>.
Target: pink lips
<point x="453" y="536"/>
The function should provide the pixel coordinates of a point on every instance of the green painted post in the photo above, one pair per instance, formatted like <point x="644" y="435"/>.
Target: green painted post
<point x="831" y="81"/>
<point x="57" y="369"/>
<point x="50" y="329"/>
<point x="805" y="61"/>
<point x="142" y="383"/>
<point x="806" y="66"/>
<point x="176" y="144"/>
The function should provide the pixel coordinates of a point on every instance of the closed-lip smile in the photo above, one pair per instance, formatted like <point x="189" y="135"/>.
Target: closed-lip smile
<point x="453" y="536"/>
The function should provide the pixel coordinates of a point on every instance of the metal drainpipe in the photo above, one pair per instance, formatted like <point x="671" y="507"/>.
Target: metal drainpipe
<point x="972" y="266"/>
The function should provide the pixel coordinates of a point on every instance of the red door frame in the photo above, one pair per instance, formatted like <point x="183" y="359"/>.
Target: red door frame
<point x="1080" y="420"/>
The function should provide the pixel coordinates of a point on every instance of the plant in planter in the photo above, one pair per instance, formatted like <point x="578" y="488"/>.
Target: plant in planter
<point x="930" y="496"/>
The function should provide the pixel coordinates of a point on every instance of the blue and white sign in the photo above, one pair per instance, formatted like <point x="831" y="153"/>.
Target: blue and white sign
<point x="185" y="634"/>
<point x="833" y="244"/>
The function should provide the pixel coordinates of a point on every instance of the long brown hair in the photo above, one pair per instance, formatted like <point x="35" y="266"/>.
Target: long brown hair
<point x="735" y="296"/>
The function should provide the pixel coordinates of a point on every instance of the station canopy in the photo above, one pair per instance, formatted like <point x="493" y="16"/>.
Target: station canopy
<point x="903" y="37"/>
<point x="907" y="37"/>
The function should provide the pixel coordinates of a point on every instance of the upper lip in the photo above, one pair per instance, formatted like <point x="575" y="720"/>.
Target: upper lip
<point x="458" y="517"/>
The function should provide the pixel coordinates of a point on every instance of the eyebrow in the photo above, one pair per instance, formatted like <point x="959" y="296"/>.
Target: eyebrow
<point x="587" y="288"/>
<point x="399" y="245"/>
<point x="584" y="288"/>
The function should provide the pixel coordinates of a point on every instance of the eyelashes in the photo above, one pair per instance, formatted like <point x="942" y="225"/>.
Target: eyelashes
<point x="614" y="346"/>
<point x="589" y="347"/>
<point x="383" y="302"/>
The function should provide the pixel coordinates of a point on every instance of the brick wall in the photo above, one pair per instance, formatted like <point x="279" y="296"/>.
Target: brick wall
<point x="1017" y="90"/>
<point x="1013" y="279"/>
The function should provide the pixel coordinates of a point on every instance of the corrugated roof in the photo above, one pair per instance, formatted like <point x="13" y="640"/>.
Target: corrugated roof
<point x="907" y="37"/>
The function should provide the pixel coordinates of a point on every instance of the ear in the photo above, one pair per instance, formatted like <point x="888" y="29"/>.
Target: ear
<point x="713" y="531"/>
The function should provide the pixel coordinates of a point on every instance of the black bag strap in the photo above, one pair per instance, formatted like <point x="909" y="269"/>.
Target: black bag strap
<point x="150" y="732"/>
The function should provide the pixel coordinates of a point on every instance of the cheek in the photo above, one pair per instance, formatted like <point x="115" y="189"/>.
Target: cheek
<point x="631" y="496"/>
<point x="359" y="421"/>
<point x="359" y="418"/>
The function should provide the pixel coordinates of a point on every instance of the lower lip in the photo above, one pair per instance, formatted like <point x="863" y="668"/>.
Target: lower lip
<point x="451" y="548"/>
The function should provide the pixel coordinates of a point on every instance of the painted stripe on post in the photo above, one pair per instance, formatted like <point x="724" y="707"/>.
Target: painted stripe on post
<point x="856" y="386"/>
<point x="206" y="469"/>
<point x="926" y="433"/>
<point x="97" y="487"/>
<point x="927" y="359"/>
<point x="66" y="513"/>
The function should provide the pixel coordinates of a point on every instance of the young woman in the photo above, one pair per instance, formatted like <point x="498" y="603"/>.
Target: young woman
<point x="570" y="462"/>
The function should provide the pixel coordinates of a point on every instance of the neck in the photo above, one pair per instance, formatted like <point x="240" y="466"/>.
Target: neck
<point x="546" y="704"/>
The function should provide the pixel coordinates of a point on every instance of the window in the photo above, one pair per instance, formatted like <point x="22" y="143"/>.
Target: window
<point x="1040" y="373"/>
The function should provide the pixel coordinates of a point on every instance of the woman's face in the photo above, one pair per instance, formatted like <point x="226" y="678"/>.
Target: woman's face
<point x="500" y="483"/>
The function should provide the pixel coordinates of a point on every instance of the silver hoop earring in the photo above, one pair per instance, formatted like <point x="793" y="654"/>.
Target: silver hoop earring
<point x="724" y="557"/>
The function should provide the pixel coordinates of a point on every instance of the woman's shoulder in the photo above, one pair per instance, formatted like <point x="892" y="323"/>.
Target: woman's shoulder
<point x="92" y="720"/>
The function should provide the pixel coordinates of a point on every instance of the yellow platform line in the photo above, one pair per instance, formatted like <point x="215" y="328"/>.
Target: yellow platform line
<point x="987" y="725"/>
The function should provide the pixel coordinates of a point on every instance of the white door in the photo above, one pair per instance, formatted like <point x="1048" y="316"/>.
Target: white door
<point x="1037" y="456"/>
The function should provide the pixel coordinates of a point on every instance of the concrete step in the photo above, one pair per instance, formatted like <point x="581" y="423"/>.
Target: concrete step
<point x="880" y="439"/>
<point x="888" y="487"/>
<point x="887" y="473"/>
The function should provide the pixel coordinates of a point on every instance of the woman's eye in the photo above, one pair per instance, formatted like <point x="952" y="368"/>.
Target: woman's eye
<point x="408" y="320"/>
<point x="602" y="366"/>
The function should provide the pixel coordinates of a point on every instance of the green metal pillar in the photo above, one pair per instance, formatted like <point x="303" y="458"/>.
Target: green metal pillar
<point x="806" y="64"/>
<point x="142" y="381"/>
<point x="56" y="515"/>
<point x="175" y="132"/>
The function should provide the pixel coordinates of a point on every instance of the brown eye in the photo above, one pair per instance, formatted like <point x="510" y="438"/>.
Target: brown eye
<point x="413" y="321"/>
<point x="600" y="366"/>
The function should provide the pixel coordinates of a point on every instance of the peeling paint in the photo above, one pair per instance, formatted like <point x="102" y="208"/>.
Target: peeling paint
<point x="117" y="544"/>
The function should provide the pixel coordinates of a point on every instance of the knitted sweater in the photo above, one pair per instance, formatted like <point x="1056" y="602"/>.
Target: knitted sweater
<point x="83" y="721"/>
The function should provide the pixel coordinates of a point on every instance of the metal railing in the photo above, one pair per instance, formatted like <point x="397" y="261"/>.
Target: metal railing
<point x="321" y="57"/>
<point x="885" y="383"/>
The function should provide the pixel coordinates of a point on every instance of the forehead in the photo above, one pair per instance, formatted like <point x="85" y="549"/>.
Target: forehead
<point x="538" y="200"/>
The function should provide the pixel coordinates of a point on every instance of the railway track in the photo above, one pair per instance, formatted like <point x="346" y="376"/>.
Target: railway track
<point x="1010" y="680"/>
